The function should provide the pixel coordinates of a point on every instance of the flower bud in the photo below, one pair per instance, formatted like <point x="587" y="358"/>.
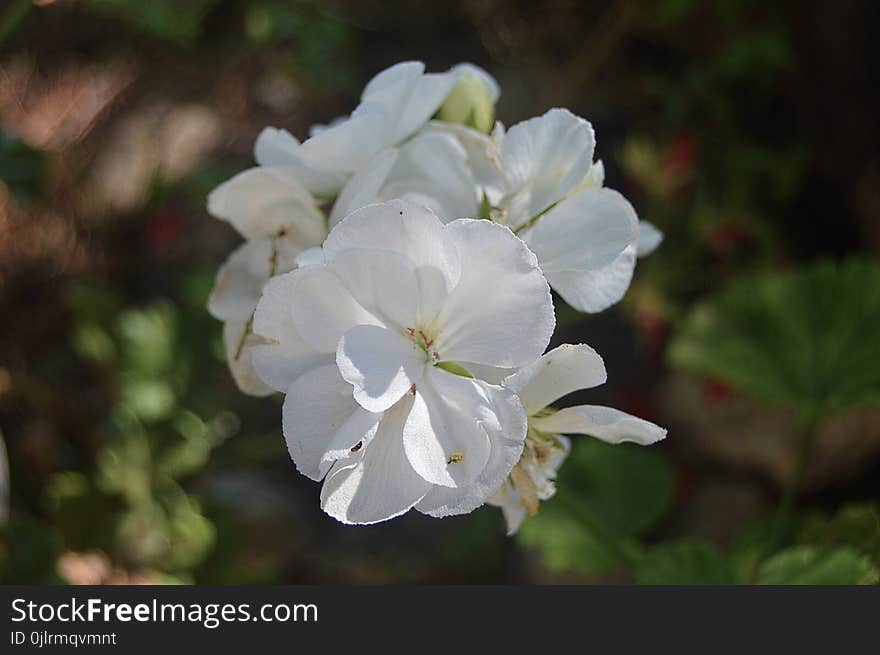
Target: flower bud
<point x="472" y="100"/>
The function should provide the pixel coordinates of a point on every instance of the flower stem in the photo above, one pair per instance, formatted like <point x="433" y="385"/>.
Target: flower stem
<point x="785" y="512"/>
<point x="627" y="554"/>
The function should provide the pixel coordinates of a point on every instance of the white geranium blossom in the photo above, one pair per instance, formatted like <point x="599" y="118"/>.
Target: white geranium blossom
<point x="372" y="347"/>
<point x="278" y="219"/>
<point x="539" y="179"/>
<point x="558" y="373"/>
<point x="394" y="105"/>
<point x="586" y="237"/>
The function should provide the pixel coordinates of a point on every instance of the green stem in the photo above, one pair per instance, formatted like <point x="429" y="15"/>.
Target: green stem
<point x="628" y="554"/>
<point x="785" y="513"/>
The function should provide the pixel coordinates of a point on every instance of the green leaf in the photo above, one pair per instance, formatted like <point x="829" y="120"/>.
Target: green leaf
<point x="455" y="369"/>
<point x="856" y="525"/>
<point x="563" y="542"/>
<point x="815" y="565"/>
<point x="805" y="339"/>
<point x="685" y="562"/>
<point x="625" y="489"/>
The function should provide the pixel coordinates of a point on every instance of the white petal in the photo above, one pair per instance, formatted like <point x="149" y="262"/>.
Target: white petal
<point x="501" y="311"/>
<point x="240" y="280"/>
<point x="605" y="423"/>
<point x="586" y="231"/>
<point x="433" y="170"/>
<point x="544" y="159"/>
<point x="364" y="186"/>
<point x="349" y="145"/>
<point x="482" y="155"/>
<point x="506" y="446"/>
<point x="322" y="422"/>
<point x="445" y="436"/>
<point x="264" y="201"/>
<point x="514" y="512"/>
<point x="283" y="356"/>
<point x="325" y="309"/>
<point x="381" y="365"/>
<point x="387" y="80"/>
<point x="410" y="231"/>
<point x="377" y="483"/>
<point x="593" y="291"/>
<point x="382" y="282"/>
<point x="310" y="257"/>
<point x="424" y="101"/>
<point x="649" y="238"/>
<point x="238" y="358"/>
<point x="280" y="148"/>
<point x="557" y="373"/>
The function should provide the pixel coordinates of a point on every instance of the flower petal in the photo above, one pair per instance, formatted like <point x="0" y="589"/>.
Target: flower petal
<point x="364" y="186"/>
<point x="322" y="422"/>
<point x="605" y="423"/>
<point x="649" y="238"/>
<point x="501" y="311"/>
<point x="264" y="201"/>
<point x="586" y="231"/>
<point x="593" y="291"/>
<point x="410" y="231"/>
<point x="240" y="280"/>
<point x="325" y="309"/>
<point x="239" y="348"/>
<point x="381" y="282"/>
<point x="544" y="159"/>
<point x="482" y="155"/>
<point x="514" y="511"/>
<point x="349" y="144"/>
<point x="377" y="483"/>
<point x="445" y="436"/>
<point x="387" y="81"/>
<point x="279" y="148"/>
<point x="432" y="170"/>
<point x="283" y="356"/>
<point x="506" y="445"/>
<point x="380" y="364"/>
<point x="557" y="373"/>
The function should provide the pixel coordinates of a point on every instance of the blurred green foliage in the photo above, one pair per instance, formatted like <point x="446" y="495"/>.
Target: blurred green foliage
<point x="804" y="338"/>
<point x="134" y="505"/>
<point x="624" y="489"/>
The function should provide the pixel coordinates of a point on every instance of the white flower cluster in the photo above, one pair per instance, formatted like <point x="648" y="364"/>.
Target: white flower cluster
<point x="407" y="325"/>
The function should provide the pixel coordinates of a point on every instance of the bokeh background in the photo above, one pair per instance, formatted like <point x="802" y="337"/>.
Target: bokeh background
<point x="747" y="131"/>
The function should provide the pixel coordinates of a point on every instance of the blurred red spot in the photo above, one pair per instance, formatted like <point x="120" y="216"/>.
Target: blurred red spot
<point x="717" y="390"/>
<point x="681" y="153"/>
<point x="726" y="239"/>
<point x="164" y="228"/>
<point x="653" y="327"/>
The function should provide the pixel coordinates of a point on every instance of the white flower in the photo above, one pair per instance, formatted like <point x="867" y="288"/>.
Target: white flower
<point x="557" y="373"/>
<point x="394" y="105"/>
<point x="279" y="219"/>
<point x="586" y="237"/>
<point x="364" y="345"/>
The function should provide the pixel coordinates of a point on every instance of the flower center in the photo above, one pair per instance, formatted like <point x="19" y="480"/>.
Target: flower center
<point x="425" y="341"/>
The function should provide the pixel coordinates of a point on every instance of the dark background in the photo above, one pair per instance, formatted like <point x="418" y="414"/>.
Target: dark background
<point x="747" y="131"/>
